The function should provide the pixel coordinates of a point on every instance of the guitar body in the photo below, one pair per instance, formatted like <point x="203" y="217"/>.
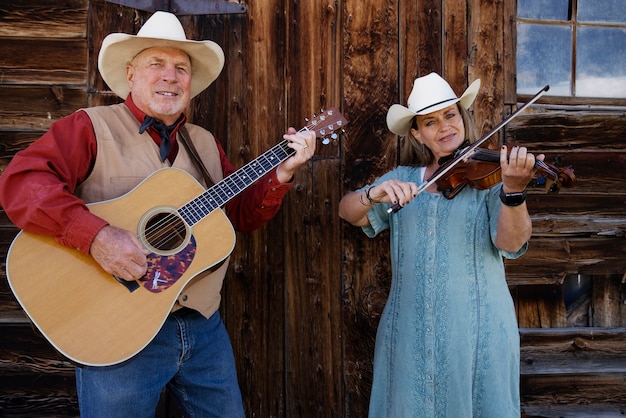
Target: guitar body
<point x="87" y="314"/>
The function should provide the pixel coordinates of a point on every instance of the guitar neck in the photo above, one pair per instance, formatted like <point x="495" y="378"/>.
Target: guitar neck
<point x="216" y="196"/>
<point x="222" y="192"/>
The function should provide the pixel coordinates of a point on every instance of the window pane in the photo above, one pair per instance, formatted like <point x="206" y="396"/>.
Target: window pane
<point x="601" y="62"/>
<point x="543" y="9"/>
<point x="609" y="11"/>
<point x="540" y="62"/>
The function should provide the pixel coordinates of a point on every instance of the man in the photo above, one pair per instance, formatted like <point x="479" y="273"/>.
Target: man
<point x="101" y="153"/>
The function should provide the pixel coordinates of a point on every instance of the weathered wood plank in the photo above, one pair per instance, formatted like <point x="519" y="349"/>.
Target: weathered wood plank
<point x="37" y="19"/>
<point x="312" y="331"/>
<point x="377" y="74"/>
<point x="589" y="130"/>
<point x="250" y="103"/>
<point x="455" y="46"/>
<point x="105" y="18"/>
<point x="584" y="389"/>
<point x="545" y="409"/>
<point x="540" y="306"/>
<point x="579" y="367"/>
<point x="486" y="44"/>
<point x="595" y="207"/>
<point x="424" y="54"/>
<point x="37" y="381"/>
<point x="48" y="61"/>
<point x="313" y="314"/>
<point x="10" y="143"/>
<point x="581" y="226"/>
<point x="552" y="258"/>
<point x="509" y="25"/>
<point x="35" y="107"/>
<point x="598" y="173"/>
<point x="606" y="301"/>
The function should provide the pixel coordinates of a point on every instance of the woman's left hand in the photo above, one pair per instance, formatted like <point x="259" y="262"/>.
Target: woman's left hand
<point x="518" y="168"/>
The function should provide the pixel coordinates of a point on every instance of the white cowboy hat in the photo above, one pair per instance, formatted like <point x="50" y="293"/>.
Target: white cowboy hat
<point x="430" y="93"/>
<point x="162" y="29"/>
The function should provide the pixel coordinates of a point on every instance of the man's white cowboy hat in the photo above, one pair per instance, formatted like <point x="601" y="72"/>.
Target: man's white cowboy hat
<point x="430" y="93"/>
<point x="162" y="29"/>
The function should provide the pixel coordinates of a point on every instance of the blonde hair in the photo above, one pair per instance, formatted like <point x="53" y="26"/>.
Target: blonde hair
<point x="414" y="153"/>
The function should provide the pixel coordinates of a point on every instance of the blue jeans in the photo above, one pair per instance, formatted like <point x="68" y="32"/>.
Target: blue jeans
<point x="191" y="355"/>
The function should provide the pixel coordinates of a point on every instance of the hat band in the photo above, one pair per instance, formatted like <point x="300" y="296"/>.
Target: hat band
<point x="434" y="104"/>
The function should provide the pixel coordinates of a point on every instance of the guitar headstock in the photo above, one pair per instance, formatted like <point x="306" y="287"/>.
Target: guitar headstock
<point x="326" y="125"/>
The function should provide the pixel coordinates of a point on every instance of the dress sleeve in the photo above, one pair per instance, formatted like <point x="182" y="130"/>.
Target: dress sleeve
<point x="493" y="207"/>
<point x="377" y="215"/>
<point x="36" y="189"/>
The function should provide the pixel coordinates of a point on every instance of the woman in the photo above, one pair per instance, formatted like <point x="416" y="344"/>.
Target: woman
<point x="447" y="343"/>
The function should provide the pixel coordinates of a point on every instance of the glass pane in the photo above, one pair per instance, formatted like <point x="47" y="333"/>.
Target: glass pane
<point x="540" y="62"/>
<point x="609" y="11"/>
<point x="543" y="9"/>
<point x="601" y="62"/>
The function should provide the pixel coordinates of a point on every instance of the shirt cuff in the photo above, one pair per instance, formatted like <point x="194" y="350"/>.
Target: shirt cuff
<point x="81" y="231"/>
<point x="275" y="189"/>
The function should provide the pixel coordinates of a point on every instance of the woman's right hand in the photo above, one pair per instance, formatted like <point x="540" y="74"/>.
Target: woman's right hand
<point x="355" y="205"/>
<point x="394" y="192"/>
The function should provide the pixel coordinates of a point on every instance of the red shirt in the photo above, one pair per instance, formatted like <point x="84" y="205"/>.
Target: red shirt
<point x="36" y="189"/>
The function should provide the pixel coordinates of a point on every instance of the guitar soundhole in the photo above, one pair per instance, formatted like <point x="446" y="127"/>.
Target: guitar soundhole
<point x="163" y="231"/>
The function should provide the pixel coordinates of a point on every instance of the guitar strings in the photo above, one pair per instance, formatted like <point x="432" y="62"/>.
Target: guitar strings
<point x="170" y="230"/>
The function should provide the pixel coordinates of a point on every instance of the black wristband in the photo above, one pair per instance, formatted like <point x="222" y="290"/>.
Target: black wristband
<point x="512" y="199"/>
<point x="367" y="194"/>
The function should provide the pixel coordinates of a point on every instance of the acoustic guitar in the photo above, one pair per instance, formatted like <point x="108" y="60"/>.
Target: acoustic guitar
<point x="94" y="318"/>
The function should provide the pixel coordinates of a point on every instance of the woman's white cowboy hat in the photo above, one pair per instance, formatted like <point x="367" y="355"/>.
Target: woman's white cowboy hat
<point x="430" y="93"/>
<point x="162" y="29"/>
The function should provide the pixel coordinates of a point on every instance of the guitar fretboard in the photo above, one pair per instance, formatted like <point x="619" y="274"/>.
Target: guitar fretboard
<point x="220" y="193"/>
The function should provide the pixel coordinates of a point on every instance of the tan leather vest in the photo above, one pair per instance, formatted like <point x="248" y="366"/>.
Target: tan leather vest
<point x="125" y="158"/>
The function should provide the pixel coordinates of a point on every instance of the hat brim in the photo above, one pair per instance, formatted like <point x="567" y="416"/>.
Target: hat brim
<point x="399" y="118"/>
<point x="118" y="49"/>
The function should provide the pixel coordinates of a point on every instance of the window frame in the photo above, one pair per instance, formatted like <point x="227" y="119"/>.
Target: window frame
<point x="573" y="24"/>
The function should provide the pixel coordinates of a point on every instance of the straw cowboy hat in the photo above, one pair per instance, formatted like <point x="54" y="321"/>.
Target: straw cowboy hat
<point x="430" y="93"/>
<point x="161" y="30"/>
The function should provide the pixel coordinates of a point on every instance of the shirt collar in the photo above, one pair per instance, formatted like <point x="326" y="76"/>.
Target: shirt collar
<point x="140" y="115"/>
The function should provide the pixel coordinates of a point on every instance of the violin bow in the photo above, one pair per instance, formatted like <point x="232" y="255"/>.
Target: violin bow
<point x="467" y="152"/>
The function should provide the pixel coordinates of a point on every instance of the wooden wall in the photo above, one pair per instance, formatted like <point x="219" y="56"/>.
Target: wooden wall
<point x="304" y="294"/>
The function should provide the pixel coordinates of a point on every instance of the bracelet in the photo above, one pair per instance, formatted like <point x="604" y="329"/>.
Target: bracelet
<point x="361" y="200"/>
<point x="367" y="194"/>
<point x="512" y="199"/>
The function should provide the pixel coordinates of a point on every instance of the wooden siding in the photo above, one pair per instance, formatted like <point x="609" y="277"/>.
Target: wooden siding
<point x="304" y="294"/>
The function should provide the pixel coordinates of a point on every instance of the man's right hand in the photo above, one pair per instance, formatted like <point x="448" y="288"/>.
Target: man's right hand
<point x="120" y="253"/>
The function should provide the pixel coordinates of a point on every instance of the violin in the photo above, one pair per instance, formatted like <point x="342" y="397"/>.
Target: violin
<point x="481" y="170"/>
<point x="480" y="167"/>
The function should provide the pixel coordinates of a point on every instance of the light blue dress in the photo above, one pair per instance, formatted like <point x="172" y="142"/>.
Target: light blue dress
<point x="447" y="344"/>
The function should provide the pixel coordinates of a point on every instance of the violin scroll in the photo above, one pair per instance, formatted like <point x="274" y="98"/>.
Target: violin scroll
<point x="554" y="177"/>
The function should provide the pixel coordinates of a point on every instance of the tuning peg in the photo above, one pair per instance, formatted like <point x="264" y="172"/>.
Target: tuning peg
<point x="325" y="140"/>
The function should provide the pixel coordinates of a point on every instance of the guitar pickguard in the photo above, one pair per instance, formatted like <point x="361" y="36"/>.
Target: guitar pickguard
<point x="165" y="270"/>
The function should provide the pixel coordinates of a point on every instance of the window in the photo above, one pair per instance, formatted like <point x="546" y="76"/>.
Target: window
<point x="578" y="47"/>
